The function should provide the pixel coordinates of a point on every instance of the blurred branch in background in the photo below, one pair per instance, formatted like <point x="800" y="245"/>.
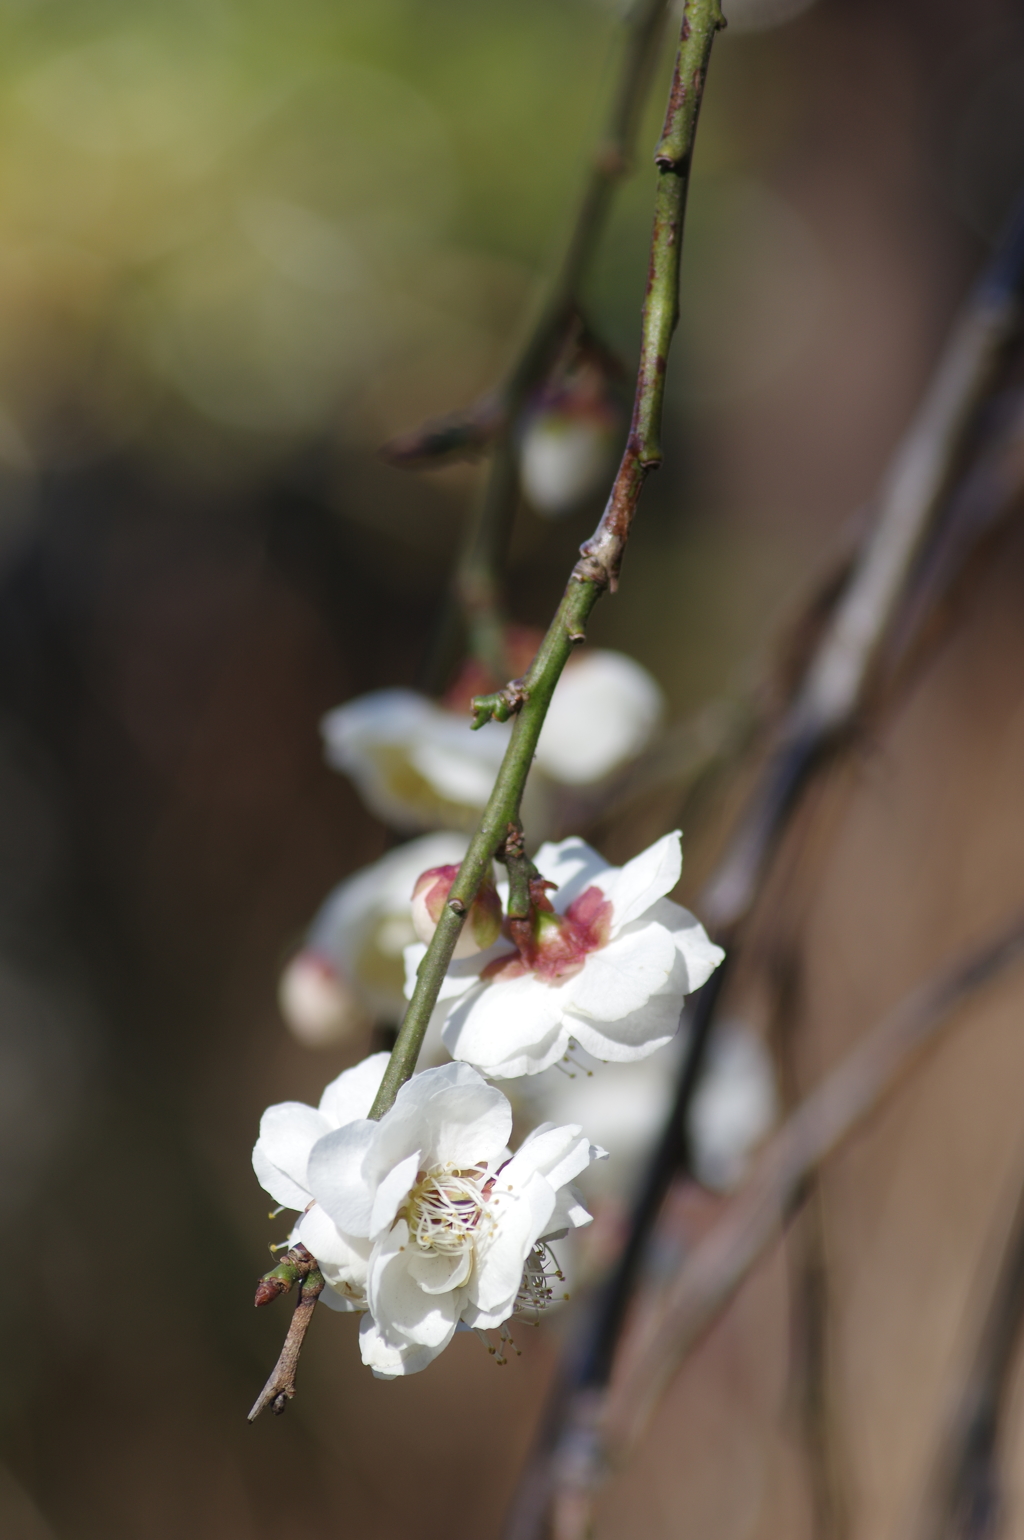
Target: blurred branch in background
<point x="492" y="423"/>
<point x="966" y="1500"/>
<point x="670" y="1325"/>
<point x="826" y="701"/>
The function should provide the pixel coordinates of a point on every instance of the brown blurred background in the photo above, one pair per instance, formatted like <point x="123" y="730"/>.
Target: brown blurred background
<point x="240" y="245"/>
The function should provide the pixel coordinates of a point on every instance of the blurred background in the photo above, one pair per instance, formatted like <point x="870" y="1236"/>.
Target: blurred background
<point x="243" y="243"/>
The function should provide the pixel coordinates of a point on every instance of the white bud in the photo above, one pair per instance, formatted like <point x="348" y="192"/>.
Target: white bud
<point x="562" y="460"/>
<point x="604" y="712"/>
<point x="319" y="1007"/>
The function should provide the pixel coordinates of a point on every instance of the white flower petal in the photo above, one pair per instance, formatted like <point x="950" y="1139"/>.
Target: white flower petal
<point x="351" y="1095"/>
<point x="619" y="978"/>
<point x="437" y="1271"/>
<point x="518" y="1023"/>
<point x="639" y="1034"/>
<point x="402" y="1310"/>
<point x="462" y="1121"/>
<point x="695" y="946"/>
<point x="334" y="1299"/>
<point x="388" y="1362"/>
<point x="569" y="1213"/>
<point x="280" y="1159"/>
<point x="337" y="1179"/>
<point x="392" y="1191"/>
<point x="649" y="876"/>
<point x="343" y="1261"/>
<point x="558" y="1154"/>
<point x="522" y="1214"/>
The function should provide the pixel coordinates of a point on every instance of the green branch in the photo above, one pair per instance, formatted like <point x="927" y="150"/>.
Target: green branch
<point x="601" y="556"/>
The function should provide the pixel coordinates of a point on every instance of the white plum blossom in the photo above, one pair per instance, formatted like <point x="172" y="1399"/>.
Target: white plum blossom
<point x="419" y="765"/>
<point x="457" y="1225"/>
<point x="424" y="1220"/>
<point x="605" y="962"/>
<point x="288" y="1133"/>
<point x="349" y="969"/>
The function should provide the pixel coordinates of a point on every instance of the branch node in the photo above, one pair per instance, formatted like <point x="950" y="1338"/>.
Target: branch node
<point x="591" y="569"/>
<point x="501" y="705"/>
<point x="293" y="1267"/>
<point x="521" y="872"/>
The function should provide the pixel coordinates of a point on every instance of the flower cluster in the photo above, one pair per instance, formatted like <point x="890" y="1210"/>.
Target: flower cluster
<point x="423" y="1220"/>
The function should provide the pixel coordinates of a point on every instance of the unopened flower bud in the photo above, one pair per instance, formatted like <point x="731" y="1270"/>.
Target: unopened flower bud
<point x="319" y="1006"/>
<point x="483" y="922"/>
<point x="571" y="429"/>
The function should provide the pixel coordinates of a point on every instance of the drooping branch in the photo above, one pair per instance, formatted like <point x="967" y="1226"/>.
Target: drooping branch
<point x="608" y="1426"/>
<point x="602" y="554"/>
<point x="591" y="576"/>
<point x="491" y="423"/>
<point x="470" y="431"/>
<point x="840" y="1104"/>
<point x="966" y="1501"/>
<point x="911" y="496"/>
<point x="826" y="700"/>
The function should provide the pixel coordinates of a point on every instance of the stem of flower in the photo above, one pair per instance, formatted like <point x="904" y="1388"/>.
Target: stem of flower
<point x="602" y="555"/>
<point x="280" y="1387"/>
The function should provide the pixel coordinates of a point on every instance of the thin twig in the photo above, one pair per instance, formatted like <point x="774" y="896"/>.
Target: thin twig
<point x="280" y="1387"/>
<point x="966" y="1500"/>
<point x="911" y="495"/>
<point x="810" y="1299"/>
<point x="592" y="574"/>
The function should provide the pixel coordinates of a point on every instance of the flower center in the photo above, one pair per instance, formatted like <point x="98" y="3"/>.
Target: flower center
<point x="446" y="1206"/>
<point x="554" y="946"/>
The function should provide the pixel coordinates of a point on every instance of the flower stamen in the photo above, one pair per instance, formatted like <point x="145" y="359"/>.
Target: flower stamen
<point x="445" y="1208"/>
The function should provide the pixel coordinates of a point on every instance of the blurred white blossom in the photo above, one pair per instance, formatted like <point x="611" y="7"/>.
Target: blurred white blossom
<point x="350" y="968"/>
<point x="418" y="765"/>
<point x="563" y="459"/>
